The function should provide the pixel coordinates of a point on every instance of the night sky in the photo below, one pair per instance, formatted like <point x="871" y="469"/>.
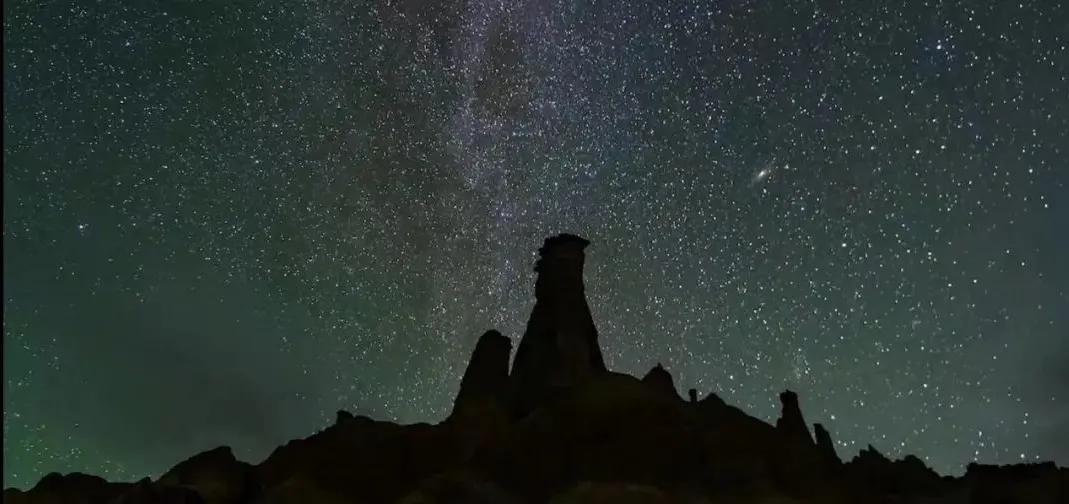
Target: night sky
<point x="224" y="221"/>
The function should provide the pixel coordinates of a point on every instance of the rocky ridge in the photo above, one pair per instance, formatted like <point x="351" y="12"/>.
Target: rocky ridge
<point x="558" y="427"/>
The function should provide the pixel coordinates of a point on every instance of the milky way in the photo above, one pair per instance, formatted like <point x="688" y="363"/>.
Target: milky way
<point x="225" y="221"/>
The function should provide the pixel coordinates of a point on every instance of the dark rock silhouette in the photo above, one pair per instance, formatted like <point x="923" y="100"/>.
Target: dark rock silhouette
<point x="660" y="379"/>
<point x="799" y="467"/>
<point x="485" y="382"/>
<point x="216" y="475"/>
<point x="711" y="402"/>
<point x="562" y="429"/>
<point x="909" y="476"/>
<point x="560" y="347"/>
<point x="791" y="421"/>
<point x="826" y="446"/>
<point x="74" y="487"/>
<point x="1017" y="483"/>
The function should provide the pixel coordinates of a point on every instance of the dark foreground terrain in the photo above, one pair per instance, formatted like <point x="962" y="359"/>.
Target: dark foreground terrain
<point x="561" y="428"/>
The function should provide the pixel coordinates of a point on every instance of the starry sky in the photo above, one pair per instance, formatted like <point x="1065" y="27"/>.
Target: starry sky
<point x="224" y="221"/>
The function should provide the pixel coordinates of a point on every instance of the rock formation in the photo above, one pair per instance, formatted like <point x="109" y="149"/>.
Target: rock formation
<point x="825" y="446"/>
<point x="485" y="382"/>
<point x="799" y="468"/>
<point x="560" y="347"/>
<point x="560" y="428"/>
<point x="216" y="475"/>
<point x="659" y="378"/>
<point x="791" y="421"/>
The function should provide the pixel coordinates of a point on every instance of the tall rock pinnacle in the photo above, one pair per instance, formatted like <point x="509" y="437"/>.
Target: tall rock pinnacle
<point x="485" y="380"/>
<point x="791" y="421"/>
<point x="560" y="346"/>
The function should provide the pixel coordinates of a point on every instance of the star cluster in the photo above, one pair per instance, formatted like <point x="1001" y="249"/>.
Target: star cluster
<point x="223" y="221"/>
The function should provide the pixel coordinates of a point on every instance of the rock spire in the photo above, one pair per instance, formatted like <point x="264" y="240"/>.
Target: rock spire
<point x="791" y="422"/>
<point x="560" y="346"/>
<point x="485" y="381"/>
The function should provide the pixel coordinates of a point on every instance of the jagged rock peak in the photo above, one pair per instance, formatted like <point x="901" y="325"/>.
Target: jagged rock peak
<point x="559" y="348"/>
<point x="826" y="446"/>
<point x="909" y="475"/>
<point x="791" y="422"/>
<point x="660" y="379"/>
<point x="486" y="378"/>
